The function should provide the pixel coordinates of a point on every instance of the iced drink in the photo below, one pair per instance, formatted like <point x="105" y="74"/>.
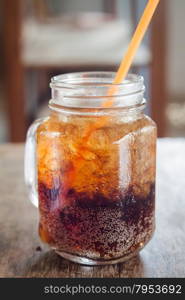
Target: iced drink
<point x="97" y="203"/>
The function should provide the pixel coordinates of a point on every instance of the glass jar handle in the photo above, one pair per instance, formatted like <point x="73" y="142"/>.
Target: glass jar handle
<point x="30" y="166"/>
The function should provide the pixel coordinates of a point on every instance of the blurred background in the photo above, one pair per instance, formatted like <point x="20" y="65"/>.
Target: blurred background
<point x="42" y="38"/>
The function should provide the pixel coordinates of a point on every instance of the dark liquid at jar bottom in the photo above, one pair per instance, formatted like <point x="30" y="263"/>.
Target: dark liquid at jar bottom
<point x="97" y="228"/>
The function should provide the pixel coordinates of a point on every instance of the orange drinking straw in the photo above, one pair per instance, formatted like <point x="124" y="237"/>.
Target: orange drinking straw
<point x="133" y="46"/>
<point x="126" y="62"/>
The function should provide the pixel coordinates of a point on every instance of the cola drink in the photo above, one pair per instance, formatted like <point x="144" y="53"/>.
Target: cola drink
<point x="97" y="199"/>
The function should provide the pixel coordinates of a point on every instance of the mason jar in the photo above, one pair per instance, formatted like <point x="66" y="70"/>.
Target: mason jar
<point x="90" y="168"/>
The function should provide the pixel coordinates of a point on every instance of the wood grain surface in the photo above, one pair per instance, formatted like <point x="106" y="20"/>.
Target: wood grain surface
<point x="23" y="255"/>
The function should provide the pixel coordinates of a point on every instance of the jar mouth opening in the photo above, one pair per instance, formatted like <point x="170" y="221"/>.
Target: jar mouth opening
<point x="94" y="80"/>
<point x="91" y="89"/>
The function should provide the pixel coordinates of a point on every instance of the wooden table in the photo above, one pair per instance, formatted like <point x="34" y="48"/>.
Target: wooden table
<point x="23" y="255"/>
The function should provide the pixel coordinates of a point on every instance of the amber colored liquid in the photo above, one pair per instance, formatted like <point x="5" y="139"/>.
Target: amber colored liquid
<point x="96" y="198"/>
<point x="81" y="149"/>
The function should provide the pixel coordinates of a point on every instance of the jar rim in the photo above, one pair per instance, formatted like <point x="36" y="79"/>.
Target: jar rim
<point x="92" y="89"/>
<point x="74" y="80"/>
